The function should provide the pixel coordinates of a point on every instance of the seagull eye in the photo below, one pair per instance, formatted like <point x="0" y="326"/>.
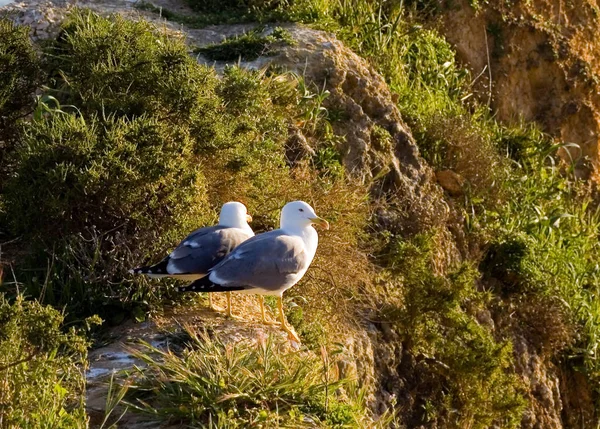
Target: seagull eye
<point x="301" y="210"/>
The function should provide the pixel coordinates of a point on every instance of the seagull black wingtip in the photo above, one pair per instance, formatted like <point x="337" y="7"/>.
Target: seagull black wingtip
<point x="205" y="285"/>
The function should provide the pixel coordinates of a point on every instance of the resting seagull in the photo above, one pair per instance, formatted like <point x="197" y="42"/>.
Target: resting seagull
<point x="269" y="263"/>
<point x="204" y="248"/>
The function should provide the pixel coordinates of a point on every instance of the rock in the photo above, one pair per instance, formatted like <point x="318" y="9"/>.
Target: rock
<point x="378" y="149"/>
<point x="451" y="182"/>
<point x="544" y="58"/>
<point x="118" y="355"/>
<point x="357" y="89"/>
<point x="296" y="147"/>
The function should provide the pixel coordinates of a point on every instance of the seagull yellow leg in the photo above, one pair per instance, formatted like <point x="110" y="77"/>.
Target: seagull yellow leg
<point x="212" y="305"/>
<point x="229" y="309"/>
<point x="292" y="335"/>
<point x="261" y="300"/>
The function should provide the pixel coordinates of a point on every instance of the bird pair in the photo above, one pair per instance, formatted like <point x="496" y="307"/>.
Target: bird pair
<point x="228" y="257"/>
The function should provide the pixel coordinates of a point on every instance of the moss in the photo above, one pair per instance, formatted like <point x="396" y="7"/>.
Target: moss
<point x="249" y="46"/>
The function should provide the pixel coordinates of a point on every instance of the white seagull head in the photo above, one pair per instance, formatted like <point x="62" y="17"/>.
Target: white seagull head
<point x="234" y="215"/>
<point x="299" y="215"/>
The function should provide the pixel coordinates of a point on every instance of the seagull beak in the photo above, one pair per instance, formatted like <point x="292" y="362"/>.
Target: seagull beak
<point x="320" y="221"/>
<point x="248" y="218"/>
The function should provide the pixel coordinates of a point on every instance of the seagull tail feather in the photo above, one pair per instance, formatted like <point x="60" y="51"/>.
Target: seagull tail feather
<point x="160" y="268"/>
<point x="205" y="285"/>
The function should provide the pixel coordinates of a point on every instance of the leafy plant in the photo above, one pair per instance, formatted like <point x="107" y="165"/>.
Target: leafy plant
<point x="464" y="368"/>
<point x="20" y="76"/>
<point x="41" y="366"/>
<point x="103" y="66"/>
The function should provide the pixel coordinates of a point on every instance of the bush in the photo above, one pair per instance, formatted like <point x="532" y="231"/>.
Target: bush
<point x="247" y="47"/>
<point x="41" y="364"/>
<point x="232" y="11"/>
<point x="461" y="372"/>
<point x="20" y="76"/>
<point x="98" y="196"/>
<point x="128" y="68"/>
<point x="140" y="172"/>
<point x="123" y="172"/>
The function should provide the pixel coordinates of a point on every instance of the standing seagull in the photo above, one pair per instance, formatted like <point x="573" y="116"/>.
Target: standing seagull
<point x="204" y="248"/>
<point x="269" y="263"/>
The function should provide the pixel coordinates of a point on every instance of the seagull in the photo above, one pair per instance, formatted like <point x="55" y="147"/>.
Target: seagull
<point x="269" y="263"/>
<point x="204" y="248"/>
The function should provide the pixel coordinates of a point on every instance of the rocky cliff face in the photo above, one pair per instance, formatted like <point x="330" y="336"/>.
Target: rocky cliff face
<point x="540" y="61"/>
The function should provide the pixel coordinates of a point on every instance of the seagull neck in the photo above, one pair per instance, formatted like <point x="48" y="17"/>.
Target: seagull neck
<point x="307" y="233"/>
<point x="240" y="225"/>
<point x="296" y="229"/>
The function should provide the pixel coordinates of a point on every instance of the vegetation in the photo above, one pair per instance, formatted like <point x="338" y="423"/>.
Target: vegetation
<point x="247" y="47"/>
<point x="233" y="11"/>
<point x="41" y="366"/>
<point x="20" y="75"/>
<point x="460" y="366"/>
<point x="212" y="385"/>
<point x="109" y="171"/>
<point x="532" y="227"/>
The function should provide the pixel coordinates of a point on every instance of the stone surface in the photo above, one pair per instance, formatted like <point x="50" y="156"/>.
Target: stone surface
<point x="451" y="182"/>
<point x="356" y="89"/>
<point x="392" y="168"/>
<point x="544" y="60"/>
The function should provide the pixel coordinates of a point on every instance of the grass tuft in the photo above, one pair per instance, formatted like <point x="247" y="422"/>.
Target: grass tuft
<point x="235" y="385"/>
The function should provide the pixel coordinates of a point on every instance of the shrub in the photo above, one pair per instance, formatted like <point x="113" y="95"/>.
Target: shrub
<point x="461" y="372"/>
<point x="128" y="68"/>
<point x="41" y="365"/>
<point x="140" y="172"/>
<point x="112" y="179"/>
<point x="231" y="11"/>
<point x="248" y="46"/>
<point x="98" y="196"/>
<point x="20" y="76"/>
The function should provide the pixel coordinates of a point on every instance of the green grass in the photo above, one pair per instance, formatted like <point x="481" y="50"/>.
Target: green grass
<point x="233" y="12"/>
<point x="210" y="384"/>
<point x="515" y="193"/>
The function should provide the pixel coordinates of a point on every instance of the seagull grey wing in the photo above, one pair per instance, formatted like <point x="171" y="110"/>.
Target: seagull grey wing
<point x="204" y="248"/>
<point x="269" y="261"/>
